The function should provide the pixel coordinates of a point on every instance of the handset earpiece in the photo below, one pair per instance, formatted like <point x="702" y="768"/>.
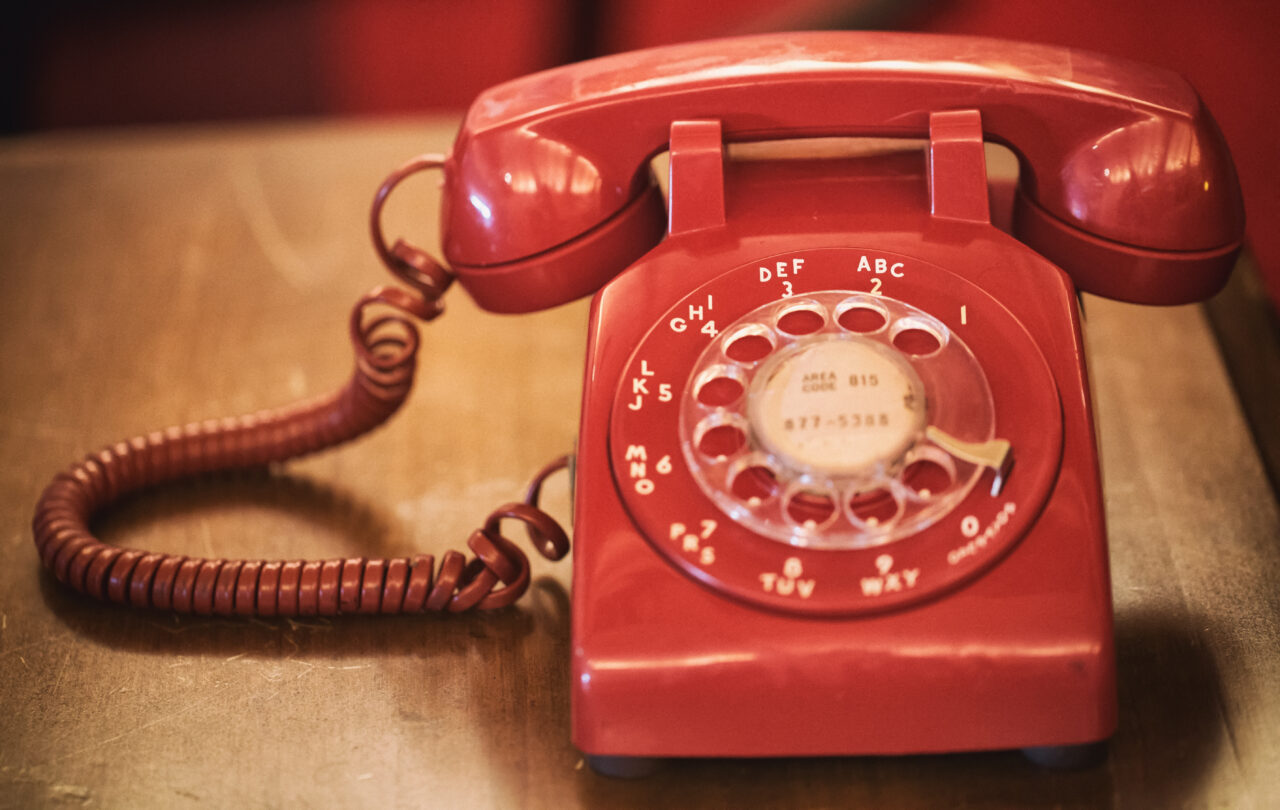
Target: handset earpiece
<point x="1150" y="212"/>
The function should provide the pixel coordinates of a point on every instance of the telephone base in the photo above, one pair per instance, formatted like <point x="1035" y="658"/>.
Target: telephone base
<point x="685" y="644"/>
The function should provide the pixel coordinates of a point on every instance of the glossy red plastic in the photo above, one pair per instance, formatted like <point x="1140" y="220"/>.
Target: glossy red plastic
<point x="696" y="156"/>
<point x="1117" y="158"/>
<point x="957" y="166"/>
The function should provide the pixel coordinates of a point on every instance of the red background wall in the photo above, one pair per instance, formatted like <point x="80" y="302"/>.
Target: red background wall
<point x="81" y="62"/>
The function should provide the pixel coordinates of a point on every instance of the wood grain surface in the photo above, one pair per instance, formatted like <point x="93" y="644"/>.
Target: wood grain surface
<point x="154" y="277"/>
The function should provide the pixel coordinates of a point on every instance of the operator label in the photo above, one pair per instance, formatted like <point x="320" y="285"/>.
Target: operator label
<point x="980" y="537"/>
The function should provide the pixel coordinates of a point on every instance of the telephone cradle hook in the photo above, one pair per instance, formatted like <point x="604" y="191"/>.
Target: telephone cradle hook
<point x="386" y="345"/>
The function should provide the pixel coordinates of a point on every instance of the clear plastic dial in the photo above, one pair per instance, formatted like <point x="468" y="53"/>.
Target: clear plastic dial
<point x="812" y="420"/>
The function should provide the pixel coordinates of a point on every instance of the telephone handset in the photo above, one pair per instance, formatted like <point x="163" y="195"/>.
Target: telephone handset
<point x="836" y="488"/>
<point x="1126" y="182"/>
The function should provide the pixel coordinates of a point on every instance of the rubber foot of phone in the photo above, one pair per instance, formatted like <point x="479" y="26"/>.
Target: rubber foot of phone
<point x="1067" y="757"/>
<point x="623" y="767"/>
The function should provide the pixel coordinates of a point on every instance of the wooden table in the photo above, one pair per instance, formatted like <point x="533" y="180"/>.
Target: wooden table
<point x="150" y="278"/>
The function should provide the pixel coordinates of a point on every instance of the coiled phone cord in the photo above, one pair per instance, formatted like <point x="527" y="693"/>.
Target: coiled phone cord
<point x="386" y="346"/>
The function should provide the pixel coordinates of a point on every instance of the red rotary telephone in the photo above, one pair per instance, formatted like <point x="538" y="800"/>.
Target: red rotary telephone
<point x="836" y="485"/>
